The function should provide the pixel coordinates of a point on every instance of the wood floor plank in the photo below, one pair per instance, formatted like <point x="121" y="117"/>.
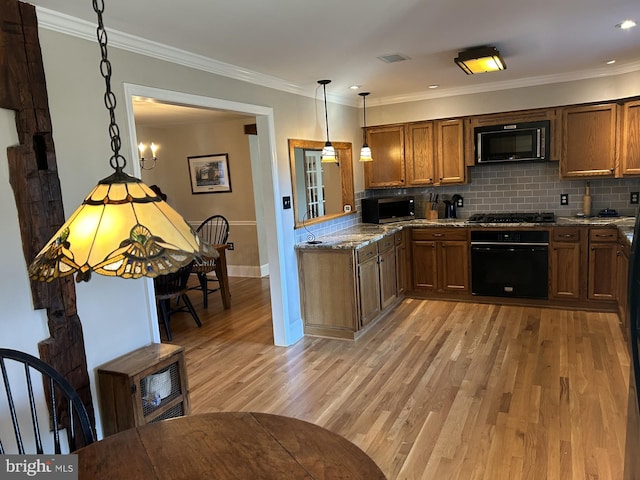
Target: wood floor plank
<point x="436" y="390"/>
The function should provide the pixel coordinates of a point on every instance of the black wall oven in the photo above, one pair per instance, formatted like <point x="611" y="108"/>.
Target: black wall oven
<point x="510" y="263"/>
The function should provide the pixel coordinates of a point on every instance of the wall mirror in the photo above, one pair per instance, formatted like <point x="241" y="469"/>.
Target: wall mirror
<point x="321" y="191"/>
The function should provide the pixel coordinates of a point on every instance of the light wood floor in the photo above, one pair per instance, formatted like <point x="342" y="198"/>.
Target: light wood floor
<point x="436" y="390"/>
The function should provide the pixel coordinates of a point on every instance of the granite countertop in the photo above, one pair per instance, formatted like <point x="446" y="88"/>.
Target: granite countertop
<point x="364" y="234"/>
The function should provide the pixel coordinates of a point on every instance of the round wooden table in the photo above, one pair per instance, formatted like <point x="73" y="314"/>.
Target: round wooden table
<point x="228" y="445"/>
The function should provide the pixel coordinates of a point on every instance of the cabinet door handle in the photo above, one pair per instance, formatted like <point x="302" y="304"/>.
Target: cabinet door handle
<point x="565" y="235"/>
<point x="438" y="234"/>
<point x="604" y="235"/>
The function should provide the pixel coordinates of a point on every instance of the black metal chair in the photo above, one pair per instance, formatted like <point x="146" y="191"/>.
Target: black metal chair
<point x="174" y="286"/>
<point x="215" y="231"/>
<point x="66" y="411"/>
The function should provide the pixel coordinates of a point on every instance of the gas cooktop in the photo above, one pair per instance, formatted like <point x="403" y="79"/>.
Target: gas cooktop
<point x="513" y="217"/>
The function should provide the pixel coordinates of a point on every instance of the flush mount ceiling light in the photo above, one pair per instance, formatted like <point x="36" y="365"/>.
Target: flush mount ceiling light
<point x="626" y="25"/>
<point x="123" y="228"/>
<point x="365" y="151"/>
<point x="480" y="60"/>
<point x="328" y="152"/>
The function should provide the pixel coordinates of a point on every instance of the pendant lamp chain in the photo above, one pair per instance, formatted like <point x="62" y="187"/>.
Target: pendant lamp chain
<point x="117" y="161"/>
<point x="326" y="115"/>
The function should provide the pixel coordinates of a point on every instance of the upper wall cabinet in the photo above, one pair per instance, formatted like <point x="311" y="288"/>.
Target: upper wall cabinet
<point x="449" y="157"/>
<point x="387" y="150"/>
<point x="416" y="154"/>
<point x="631" y="138"/>
<point x="589" y="141"/>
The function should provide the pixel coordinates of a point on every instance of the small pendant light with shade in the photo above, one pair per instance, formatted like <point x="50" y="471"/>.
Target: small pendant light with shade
<point x="328" y="152"/>
<point x="365" y="151"/>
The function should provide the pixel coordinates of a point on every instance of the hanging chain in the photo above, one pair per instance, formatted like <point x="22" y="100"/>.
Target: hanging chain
<point x="117" y="161"/>
<point x="326" y="115"/>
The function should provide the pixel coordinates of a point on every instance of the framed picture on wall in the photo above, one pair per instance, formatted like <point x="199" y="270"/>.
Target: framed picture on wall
<point x="209" y="173"/>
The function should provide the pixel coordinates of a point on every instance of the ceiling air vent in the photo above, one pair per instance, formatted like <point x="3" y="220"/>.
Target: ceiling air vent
<point x="393" y="58"/>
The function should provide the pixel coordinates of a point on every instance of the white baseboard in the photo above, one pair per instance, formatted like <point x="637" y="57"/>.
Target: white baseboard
<point x="247" y="271"/>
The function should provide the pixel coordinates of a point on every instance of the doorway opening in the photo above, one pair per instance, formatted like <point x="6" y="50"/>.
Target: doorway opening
<point x="264" y="181"/>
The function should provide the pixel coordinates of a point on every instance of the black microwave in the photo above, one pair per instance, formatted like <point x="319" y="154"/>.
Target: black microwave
<point x="388" y="209"/>
<point x="513" y="142"/>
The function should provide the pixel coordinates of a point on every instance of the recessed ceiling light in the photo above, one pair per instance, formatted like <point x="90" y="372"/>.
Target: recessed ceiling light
<point x="627" y="24"/>
<point x="355" y="87"/>
<point x="610" y="62"/>
<point x="434" y="86"/>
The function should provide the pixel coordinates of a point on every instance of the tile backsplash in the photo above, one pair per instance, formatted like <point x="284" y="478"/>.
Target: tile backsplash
<point x="507" y="187"/>
<point x="526" y="187"/>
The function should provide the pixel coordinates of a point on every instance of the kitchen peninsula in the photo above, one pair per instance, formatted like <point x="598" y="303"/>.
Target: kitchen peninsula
<point x="356" y="276"/>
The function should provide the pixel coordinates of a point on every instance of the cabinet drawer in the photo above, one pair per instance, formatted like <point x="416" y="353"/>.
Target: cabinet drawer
<point x="566" y="234"/>
<point x="603" y="235"/>
<point x="439" y="234"/>
<point x="367" y="252"/>
<point x="386" y="243"/>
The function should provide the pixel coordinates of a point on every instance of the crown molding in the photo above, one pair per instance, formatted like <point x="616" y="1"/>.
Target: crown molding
<point x="68" y="25"/>
<point x="509" y="84"/>
<point x="59" y="22"/>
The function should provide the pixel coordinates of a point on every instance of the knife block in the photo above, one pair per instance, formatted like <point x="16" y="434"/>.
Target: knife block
<point x="430" y="213"/>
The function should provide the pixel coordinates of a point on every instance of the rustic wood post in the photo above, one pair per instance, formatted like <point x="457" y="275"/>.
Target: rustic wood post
<point x="33" y="174"/>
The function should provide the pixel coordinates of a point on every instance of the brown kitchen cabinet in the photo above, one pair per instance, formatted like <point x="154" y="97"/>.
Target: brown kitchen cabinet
<point x="419" y="154"/>
<point x="630" y="154"/>
<point x="566" y="264"/>
<point x="449" y="158"/>
<point x="589" y="141"/>
<point x="431" y="153"/>
<point x="434" y="153"/>
<point x="622" y="268"/>
<point x="603" y="248"/>
<point x="401" y="261"/>
<point x="344" y="290"/>
<point x="387" y="150"/>
<point x="377" y="282"/>
<point x="143" y="386"/>
<point x="440" y="260"/>
<point x="368" y="284"/>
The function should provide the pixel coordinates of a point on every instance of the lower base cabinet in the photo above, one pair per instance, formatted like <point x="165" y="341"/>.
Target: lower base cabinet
<point x="344" y="290"/>
<point x="603" y="249"/>
<point x="440" y="260"/>
<point x="622" y="266"/>
<point x="567" y="264"/>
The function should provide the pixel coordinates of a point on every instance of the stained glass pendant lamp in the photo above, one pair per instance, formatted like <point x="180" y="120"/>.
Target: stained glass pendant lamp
<point x="123" y="228"/>
<point x="328" y="152"/>
<point x="365" y="151"/>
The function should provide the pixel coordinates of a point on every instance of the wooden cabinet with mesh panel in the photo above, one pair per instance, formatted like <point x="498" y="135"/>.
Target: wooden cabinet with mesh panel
<point x="143" y="386"/>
